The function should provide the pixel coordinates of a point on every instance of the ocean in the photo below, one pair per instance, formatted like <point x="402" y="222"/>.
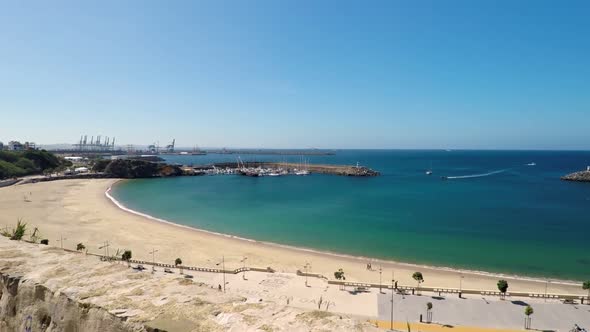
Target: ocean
<point x="494" y="213"/>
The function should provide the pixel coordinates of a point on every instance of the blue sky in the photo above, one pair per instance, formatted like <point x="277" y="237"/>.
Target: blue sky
<point x="326" y="74"/>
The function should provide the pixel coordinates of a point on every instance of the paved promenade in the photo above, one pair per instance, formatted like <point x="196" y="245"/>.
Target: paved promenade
<point x="484" y="312"/>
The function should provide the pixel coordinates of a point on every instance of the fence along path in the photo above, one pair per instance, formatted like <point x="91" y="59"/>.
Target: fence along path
<point x="412" y="289"/>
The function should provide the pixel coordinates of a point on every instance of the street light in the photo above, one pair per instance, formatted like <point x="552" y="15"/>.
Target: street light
<point x="306" y="267"/>
<point x="244" y="261"/>
<point x="106" y="246"/>
<point x="153" y="252"/>
<point x="392" y="292"/>
<point x="61" y="240"/>
<point x="380" y="279"/>
<point x="223" y="270"/>
<point x="546" y="284"/>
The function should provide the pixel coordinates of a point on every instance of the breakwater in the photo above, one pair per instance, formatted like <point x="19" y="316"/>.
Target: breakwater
<point x="292" y="168"/>
<point x="582" y="176"/>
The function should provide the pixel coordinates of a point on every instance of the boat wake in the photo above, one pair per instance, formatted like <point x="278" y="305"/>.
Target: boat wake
<point x="475" y="175"/>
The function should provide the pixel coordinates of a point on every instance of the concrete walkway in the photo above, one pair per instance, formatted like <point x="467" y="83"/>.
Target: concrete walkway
<point x="485" y="313"/>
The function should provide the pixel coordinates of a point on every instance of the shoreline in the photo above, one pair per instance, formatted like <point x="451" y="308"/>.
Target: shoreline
<point x="359" y="259"/>
<point x="79" y="211"/>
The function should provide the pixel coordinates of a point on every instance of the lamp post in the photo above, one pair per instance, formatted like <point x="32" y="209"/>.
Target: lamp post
<point x="61" y="240"/>
<point x="380" y="278"/>
<point x="546" y="284"/>
<point x="222" y="270"/>
<point x="244" y="268"/>
<point x="106" y="246"/>
<point x="392" y="292"/>
<point x="306" y="267"/>
<point x="154" y="251"/>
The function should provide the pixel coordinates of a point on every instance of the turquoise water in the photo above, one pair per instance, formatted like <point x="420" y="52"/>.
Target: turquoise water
<point x="513" y="219"/>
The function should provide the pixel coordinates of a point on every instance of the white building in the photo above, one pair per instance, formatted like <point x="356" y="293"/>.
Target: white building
<point x="15" y="146"/>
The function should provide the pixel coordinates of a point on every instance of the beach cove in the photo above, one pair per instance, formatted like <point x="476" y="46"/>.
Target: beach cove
<point x="78" y="211"/>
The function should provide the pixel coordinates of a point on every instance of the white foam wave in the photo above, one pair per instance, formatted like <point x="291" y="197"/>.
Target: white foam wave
<point x="476" y="175"/>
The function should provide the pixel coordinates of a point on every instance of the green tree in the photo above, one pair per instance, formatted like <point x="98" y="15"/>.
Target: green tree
<point x="126" y="256"/>
<point x="586" y="285"/>
<point x="503" y="287"/>
<point x="528" y="311"/>
<point x="429" y="312"/>
<point x="419" y="279"/>
<point x="178" y="262"/>
<point x="80" y="246"/>
<point x="339" y="275"/>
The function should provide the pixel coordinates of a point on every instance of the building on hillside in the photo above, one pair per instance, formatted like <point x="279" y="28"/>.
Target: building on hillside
<point x="30" y="146"/>
<point x="15" y="146"/>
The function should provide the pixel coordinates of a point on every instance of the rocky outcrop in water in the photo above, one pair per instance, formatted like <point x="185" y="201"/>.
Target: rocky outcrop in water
<point x="583" y="176"/>
<point x="130" y="169"/>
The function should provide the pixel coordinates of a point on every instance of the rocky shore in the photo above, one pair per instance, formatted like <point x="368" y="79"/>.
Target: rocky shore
<point x="582" y="176"/>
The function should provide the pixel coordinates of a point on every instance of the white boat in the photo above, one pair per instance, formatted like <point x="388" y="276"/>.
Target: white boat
<point x="304" y="170"/>
<point x="429" y="171"/>
<point x="531" y="164"/>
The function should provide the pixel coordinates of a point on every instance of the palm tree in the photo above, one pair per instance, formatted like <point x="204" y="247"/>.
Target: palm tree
<point x="528" y="311"/>
<point x="429" y="312"/>
<point x="502" y="287"/>
<point x="339" y="275"/>
<point x="80" y="246"/>
<point x="126" y="256"/>
<point x="18" y="232"/>
<point x="177" y="262"/>
<point x="419" y="279"/>
<point x="586" y="285"/>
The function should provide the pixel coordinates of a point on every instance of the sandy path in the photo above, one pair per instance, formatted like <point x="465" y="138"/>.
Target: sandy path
<point x="79" y="211"/>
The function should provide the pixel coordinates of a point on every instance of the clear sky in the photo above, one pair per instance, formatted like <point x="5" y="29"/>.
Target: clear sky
<point x="326" y="74"/>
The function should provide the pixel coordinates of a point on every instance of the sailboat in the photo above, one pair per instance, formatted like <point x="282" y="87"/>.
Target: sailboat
<point x="302" y="171"/>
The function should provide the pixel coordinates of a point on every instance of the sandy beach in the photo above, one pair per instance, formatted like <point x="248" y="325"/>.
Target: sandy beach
<point x="78" y="211"/>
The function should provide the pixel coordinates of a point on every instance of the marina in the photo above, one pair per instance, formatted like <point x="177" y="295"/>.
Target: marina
<point x="260" y="169"/>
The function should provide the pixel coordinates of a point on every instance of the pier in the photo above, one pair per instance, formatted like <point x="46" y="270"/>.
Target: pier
<point x="279" y="168"/>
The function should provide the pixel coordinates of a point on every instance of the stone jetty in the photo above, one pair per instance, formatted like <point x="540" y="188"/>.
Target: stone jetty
<point x="345" y="170"/>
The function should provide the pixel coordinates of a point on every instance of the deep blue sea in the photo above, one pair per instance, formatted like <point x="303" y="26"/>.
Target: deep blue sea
<point x="509" y="218"/>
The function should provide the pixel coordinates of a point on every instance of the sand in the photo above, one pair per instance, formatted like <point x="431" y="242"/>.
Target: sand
<point x="79" y="212"/>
